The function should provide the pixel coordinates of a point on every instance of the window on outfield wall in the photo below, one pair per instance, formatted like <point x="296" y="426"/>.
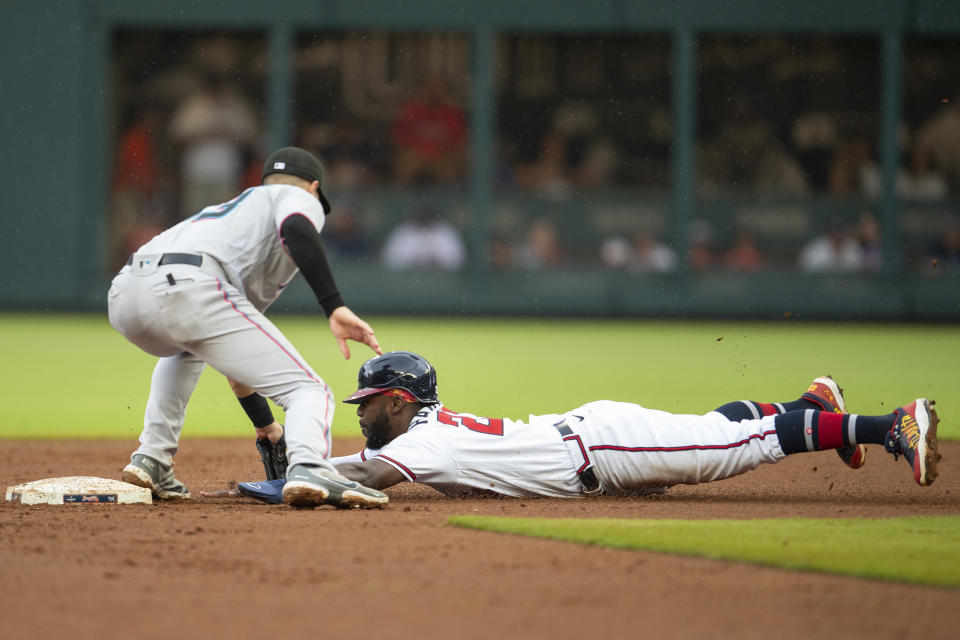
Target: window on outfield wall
<point x="186" y="127"/>
<point x="583" y="139"/>
<point x="928" y="180"/>
<point x="388" y="114"/>
<point x="786" y="137"/>
<point x="777" y="113"/>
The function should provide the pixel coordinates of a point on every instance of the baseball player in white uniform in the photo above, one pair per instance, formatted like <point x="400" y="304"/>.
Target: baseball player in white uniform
<point x="196" y="294"/>
<point x="600" y="447"/>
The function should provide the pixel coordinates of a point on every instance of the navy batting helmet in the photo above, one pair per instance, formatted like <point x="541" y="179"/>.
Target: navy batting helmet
<point x="397" y="370"/>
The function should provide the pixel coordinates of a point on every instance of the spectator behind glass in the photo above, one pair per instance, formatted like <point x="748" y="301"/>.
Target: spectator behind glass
<point x="137" y="215"/>
<point x="853" y="168"/>
<point x="548" y="174"/>
<point x="745" y="254"/>
<point x="426" y="241"/>
<point x="745" y="154"/>
<point x="542" y="246"/>
<point x="701" y="252"/>
<point x="815" y="138"/>
<point x="429" y="136"/>
<point x="642" y="254"/>
<point x="943" y="255"/>
<point x="868" y="235"/>
<point x="598" y="166"/>
<point x="213" y="128"/>
<point x="500" y="253"/>
<point x="836" y="250"/>
<point x="920" y="180"/>
<point x="350" y="156"/>
<point x="570" y="154"/>
<point x="940" y="137"/>
<point x="343" y="237"/>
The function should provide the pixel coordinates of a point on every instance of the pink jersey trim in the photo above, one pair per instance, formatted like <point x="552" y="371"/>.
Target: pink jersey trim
<point x="267" y="333"/>
<point x="295" y="213"/>
<point x="326" y="423"/>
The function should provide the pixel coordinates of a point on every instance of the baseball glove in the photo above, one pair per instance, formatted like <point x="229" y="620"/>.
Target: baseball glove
<point x="274" y="457"/>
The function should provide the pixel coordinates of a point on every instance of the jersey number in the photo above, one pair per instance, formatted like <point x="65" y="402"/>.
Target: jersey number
<point x="492" y="426"/>
<point x="220" y="210"/>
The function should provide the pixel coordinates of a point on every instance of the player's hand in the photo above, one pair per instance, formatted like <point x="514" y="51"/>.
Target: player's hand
<point x="346" y="325"/>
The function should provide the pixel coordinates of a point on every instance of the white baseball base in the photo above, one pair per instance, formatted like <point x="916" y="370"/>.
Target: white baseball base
<point x="78" y="490"/>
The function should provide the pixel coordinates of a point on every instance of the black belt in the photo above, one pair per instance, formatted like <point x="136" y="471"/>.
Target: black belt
<point x="176" y="258"/>
<point x="587" y="477"/>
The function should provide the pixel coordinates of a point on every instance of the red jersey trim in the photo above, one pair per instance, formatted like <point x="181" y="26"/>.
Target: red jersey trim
<point x="400" y="467"/>
<point x="691" y="447"/>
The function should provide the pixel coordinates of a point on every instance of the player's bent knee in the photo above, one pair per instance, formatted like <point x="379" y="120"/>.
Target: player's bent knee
<point x="313" y="393"/>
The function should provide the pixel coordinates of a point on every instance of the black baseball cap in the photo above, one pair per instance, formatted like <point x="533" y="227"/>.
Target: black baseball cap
<point x="297" y="162"/>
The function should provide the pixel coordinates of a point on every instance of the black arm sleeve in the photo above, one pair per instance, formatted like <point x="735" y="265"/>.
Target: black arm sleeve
<point x="303" y="242"/>
<point x="257" y="409"/>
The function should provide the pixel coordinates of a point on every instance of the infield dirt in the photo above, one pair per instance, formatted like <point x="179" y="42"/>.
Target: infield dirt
<point x="235" y="568"/>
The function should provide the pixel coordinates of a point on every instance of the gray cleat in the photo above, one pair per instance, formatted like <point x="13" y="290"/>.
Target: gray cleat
<point x="144" y="471"/>
<point x="309" y="487"/>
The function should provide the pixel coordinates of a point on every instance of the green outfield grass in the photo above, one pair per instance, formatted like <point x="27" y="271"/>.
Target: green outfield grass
<point x="927" y="549"/>
<point x="72" y="376"/>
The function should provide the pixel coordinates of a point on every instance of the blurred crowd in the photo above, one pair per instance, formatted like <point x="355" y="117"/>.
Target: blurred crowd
<point x="193" y="131"/>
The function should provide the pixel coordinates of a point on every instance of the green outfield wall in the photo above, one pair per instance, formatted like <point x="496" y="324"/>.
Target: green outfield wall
<point x="57" y="123"/>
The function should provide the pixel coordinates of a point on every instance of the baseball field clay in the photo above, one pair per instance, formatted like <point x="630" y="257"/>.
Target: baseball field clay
<point x="235" y="567"/>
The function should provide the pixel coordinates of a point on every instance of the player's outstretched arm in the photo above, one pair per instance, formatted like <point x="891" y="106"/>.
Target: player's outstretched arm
<point x="372" y="473"/>
<point x="346" y="325"/>
<point x="302" y="241"/>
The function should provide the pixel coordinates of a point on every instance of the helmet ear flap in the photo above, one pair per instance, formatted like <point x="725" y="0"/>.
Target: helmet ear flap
<point x="396" y="404"/>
